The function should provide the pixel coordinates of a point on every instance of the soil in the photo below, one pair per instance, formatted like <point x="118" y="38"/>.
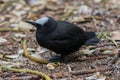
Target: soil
<point x="108" y="21"/>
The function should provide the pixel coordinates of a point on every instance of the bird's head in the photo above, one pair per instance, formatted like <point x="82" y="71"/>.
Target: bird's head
<point x="41" y="22"/>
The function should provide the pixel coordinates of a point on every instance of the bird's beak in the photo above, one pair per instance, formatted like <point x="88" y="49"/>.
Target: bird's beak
<point x="31" y="22"/>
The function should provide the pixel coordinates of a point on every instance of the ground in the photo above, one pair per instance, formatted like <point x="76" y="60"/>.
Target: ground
<point x="100" y="16"/>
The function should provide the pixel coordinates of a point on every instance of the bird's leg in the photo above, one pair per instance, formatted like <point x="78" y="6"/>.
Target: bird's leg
<point x="59" y="58"/>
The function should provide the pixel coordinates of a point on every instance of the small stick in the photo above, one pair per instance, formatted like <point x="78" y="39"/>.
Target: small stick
<point x="31" y="57"/>
<point x="69" y="68"/>
<point x="81" y="72"/>
<point x="107" y="37"/>
<point x="13" y="30"/>
<point x="9" y="29"/>
<point x="106" y="44"/>
<point x="46" y="77"/>
<point x="115" y="58"/>
<point x="92" y="58"/>
<point x="24" y="78"/>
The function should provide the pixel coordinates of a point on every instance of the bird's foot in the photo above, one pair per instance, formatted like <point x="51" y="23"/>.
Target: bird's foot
<point x="59" y="58"/>
<point x="56" y="58"/>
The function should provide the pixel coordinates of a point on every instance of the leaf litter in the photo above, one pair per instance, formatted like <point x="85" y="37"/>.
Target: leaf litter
<point x="93" y="15"/>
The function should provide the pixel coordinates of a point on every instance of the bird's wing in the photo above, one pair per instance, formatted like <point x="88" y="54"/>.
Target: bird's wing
<point x="64" y="39"/>
<point x="60" y="40"/>
<point x="66" y="31"/>
<point x="60" y="44"/>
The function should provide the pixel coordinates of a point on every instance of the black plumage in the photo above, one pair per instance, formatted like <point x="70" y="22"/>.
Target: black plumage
<point x="60" y="36"/>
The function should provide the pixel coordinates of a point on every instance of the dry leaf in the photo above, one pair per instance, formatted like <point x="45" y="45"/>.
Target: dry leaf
<point x="37" y="56"/>
<point x="107" y="52"/>
<point x="87" y="51"/>
<point x="113" y="3"/>
<point x="20" y="35"/>
<point x="97" y="1"/>
<point x="51" y="66"/>
<point x="96" y="76"/>
<point x="84" y="9"/>
<point x="31" y="16"/>
<point x="2" y="40"/>
<point x="41" y="50"/>
<point x="8" y="4"/>
<point x="38" y="2"/>
<point x="116" y="35"/>
<point x="10" y="64"/>
<point x="20" y="51"/>
<point x="12" y="56"/>
<point x="110" y="51"/>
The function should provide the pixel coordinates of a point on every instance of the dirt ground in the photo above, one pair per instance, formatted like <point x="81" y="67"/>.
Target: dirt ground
<point x="98" y="62"/>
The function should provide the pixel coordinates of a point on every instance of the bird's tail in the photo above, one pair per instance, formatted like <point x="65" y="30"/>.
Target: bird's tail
<point x="89" y="35"/>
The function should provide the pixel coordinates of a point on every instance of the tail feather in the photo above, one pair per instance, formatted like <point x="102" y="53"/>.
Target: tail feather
<point x="89" y="35"/>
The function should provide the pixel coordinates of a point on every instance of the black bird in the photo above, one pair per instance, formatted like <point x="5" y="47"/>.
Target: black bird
<point x="60" y="36"/>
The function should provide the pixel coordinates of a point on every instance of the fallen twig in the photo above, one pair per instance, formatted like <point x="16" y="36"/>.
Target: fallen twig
<point x="9" y="29"/>
<point x="69" y="68"/>
<point x="24" y="78"/>
<point x="81" y="72"/>
<point x="106" y="44"/>
<point x="113" y="61"/>
<point x="107" y="37"/>
<point x="27" y="71"/>
<point x="86" y="19"/>
<point x="3" y="23"/>
<point x="112" y="41"/>
<point x="14" y="30"/>
<point x="92" y="58"/>
<point x="31" y="57"/>
<point x="60" y="74"/>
